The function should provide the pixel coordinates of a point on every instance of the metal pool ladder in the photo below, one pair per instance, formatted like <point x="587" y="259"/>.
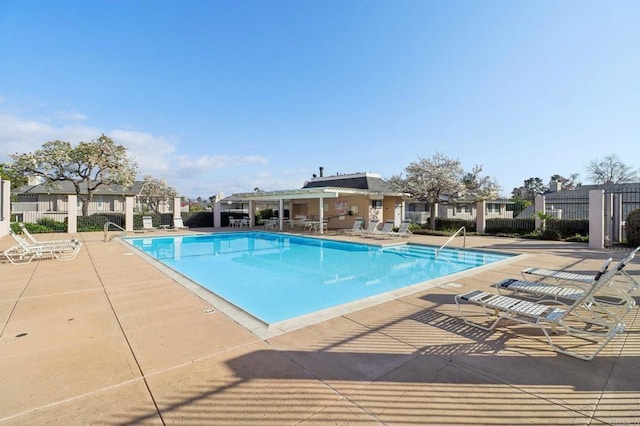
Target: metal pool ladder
<point x="106" y="231"/>
<point x="464" y="239"/>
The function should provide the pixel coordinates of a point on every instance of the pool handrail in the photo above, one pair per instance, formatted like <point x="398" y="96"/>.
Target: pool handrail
<point x="106" y="230"/>
<point x="464" y="239"/>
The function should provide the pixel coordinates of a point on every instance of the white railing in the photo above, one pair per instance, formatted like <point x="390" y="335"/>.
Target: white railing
<point x="464" y="239"/>
<point x="115" y="225"/>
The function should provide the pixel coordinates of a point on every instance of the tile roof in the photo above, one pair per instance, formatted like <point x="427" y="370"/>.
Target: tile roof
<point x="67" y="188"/>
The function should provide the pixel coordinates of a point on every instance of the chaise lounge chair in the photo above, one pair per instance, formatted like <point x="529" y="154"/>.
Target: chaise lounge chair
<point x="178" y="224"/>
<point x="357" y="227"/>
<point x="565" y="276"/>
<point x="373" y="225"/>
<point x="384" y="232"/>
<point x="32" y="240"/>
<point x="572" y="290"/>
<point x="578" y="319"/>
<point x="147" y="224"/>
<point x="24" y="251"/>
<point x="403" y="230"/>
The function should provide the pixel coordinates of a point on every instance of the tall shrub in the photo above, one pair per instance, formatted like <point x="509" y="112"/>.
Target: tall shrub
<point x="633" y="228"/>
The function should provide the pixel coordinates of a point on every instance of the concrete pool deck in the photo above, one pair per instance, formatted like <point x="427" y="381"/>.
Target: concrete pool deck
<point x="108" y="338"/>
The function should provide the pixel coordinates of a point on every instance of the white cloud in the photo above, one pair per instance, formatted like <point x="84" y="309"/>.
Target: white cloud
<point x="155" y="155"/>
<point x="70" y="116"/>
<point x="24" y="135"/>
<point x="206" y="163"/>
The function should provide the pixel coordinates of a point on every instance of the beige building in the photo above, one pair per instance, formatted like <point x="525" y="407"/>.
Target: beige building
<point x="336" y="200"/>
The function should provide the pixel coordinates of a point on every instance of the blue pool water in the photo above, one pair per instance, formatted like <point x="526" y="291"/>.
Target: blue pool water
<point x="275" y="277"/>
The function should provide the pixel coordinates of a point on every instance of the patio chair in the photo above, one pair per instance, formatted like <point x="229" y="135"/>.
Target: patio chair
<point x="564" y="276"/>
<point x="178" y="224"/>
<point x="271" y="223"/>
<point x="357" y="227"/>
<point x="24" y="251"/>
<point x="385" y="232"/>
<point x="604" y="301"/>
<point x="577" y="319"/>
<point x="372" y="227"/>
<point x="403" y="230"/>
<point x="147" y="224"/>
<point x="32" y="240"/>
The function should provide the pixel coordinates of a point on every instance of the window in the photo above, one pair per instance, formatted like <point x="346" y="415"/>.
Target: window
<point x="376" y="204"/>
<point x="463" y="209"/>
<point x="493" y="208"/>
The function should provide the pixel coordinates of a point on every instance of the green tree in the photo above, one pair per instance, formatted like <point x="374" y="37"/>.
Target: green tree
<point x="88" y="166"/>
<point x="154" y="192"/>
<point x="568" y="183"/>
<point x="611" y="169"/>
<point x="8" y="173"/>
<point x="531" y="188"/>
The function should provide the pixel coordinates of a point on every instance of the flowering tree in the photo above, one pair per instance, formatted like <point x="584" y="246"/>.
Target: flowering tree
<point x="154" y="192"/>
<point x="89" y="165"/>
<point x="441" y="179"/>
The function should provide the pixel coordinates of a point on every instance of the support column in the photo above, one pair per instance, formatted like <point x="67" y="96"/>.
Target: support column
<point x="321" y="210"/>
<point x="281" y="214"/>
<point x="481" y="217"/>
<point x="252" y="214"/>
<point x="540" y="206"/>
<point x="596" y="218"/>
<point x="129" y="202"/>
<point x="177" y="207"/>
<point x="72" y="214"/>
<point x="217" y="217"/>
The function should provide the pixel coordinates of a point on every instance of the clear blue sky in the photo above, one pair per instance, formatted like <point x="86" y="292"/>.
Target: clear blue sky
<point x="226" y="96"/>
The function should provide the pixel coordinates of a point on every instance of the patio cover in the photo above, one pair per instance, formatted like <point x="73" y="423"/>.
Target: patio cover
<point x="305" y="193"/>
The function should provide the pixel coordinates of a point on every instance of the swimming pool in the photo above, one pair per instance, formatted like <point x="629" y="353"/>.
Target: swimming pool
<point x="277" y="277"/>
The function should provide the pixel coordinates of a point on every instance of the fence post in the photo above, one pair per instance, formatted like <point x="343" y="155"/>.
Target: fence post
<point x="540" y="206"/>
<point x="596" y="218"/>
<point x="481" y="217"/>
<point x="129" y="201"/>
<point x="72" y="214"/>
<point x="5" y="206"/>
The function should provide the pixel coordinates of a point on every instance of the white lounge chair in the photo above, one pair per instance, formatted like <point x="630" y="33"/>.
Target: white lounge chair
<point x="371" y="227"/>
<point x="24" y="251"/>
<point x="384" y="232"/>
<point x="566" y="276"/>
<point x="577" y="319"/>
<point x="357" y="227"/>
<point x="31" y="239"/>
<point x="178" y="224"/>
<point x="572" y="290"/>
<point x="271" y="224"/>
<point x="403" y="230"/>
<point x="147" y="224"/>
